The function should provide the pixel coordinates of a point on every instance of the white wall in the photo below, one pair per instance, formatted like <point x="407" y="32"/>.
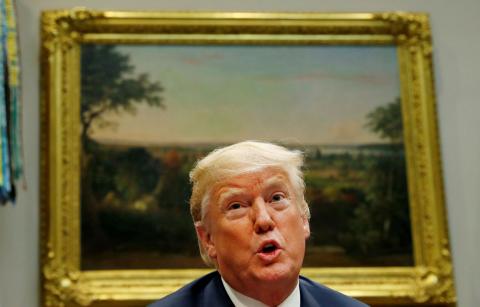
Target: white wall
<point x="455" y="26"/>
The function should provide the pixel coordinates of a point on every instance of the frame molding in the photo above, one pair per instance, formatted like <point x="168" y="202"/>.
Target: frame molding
<point x="429" y="281"/>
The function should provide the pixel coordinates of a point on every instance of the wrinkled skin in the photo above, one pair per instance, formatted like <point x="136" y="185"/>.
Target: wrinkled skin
<point x="255" y="232"/>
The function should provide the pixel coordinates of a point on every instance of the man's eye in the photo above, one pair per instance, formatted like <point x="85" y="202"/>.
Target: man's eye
<point x="234" y="206"/>
<point x="278" y="197"/>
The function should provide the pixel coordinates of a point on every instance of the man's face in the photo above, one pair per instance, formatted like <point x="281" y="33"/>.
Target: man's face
<point x="254" y="229"/>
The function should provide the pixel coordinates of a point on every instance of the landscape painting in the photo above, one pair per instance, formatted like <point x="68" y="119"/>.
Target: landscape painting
<point x="148" y="112"/>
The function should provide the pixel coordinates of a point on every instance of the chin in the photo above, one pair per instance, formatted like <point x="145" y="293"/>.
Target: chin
<point x="276" y="273"/>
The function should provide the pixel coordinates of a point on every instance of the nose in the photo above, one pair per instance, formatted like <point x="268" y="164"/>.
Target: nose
<point x="262" y="221"/>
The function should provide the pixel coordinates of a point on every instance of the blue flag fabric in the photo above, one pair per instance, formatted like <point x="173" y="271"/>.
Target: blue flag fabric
<point x="11" y="155"/>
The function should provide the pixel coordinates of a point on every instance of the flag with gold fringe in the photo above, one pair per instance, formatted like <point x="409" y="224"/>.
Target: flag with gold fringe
<point x="11" y="155"/>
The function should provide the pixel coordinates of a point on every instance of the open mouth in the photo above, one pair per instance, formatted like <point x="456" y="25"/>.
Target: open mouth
<point x="269" y="248"/>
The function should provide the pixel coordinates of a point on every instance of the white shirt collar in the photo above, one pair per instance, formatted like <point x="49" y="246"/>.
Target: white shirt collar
<point x="241" y="300"/>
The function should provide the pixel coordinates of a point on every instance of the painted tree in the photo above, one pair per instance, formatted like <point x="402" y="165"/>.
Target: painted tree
<point x="110" y="84"/>
<point x="386" y="121"/>
<point x="381" y="223"/>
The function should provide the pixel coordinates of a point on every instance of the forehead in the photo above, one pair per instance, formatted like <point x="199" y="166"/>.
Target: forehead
<point x="253" y="181"/>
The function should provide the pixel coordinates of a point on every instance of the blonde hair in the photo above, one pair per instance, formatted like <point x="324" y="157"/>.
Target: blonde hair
<point x="237" y="159"/>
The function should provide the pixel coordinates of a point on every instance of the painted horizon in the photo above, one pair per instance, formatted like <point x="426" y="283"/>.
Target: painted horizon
<point x="287" y="94"/>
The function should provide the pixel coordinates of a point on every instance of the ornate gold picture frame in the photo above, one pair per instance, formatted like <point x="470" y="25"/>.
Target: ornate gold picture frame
<point x="64" y="283"/>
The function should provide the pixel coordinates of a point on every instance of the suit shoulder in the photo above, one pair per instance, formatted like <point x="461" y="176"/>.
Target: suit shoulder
<point x="326" y="296"/>
<point x="187" y="296"/>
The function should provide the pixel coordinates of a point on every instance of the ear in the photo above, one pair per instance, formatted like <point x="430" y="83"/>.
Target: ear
<point x="205" y="238"/>
<point x="306" y="223"/>
<point x="306" y="227"/>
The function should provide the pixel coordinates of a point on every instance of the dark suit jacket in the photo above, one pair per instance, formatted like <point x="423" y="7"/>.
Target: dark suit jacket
<point x="208" y="291"/>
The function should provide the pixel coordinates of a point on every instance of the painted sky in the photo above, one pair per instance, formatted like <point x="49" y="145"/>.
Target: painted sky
<point x="293" y="94"/>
